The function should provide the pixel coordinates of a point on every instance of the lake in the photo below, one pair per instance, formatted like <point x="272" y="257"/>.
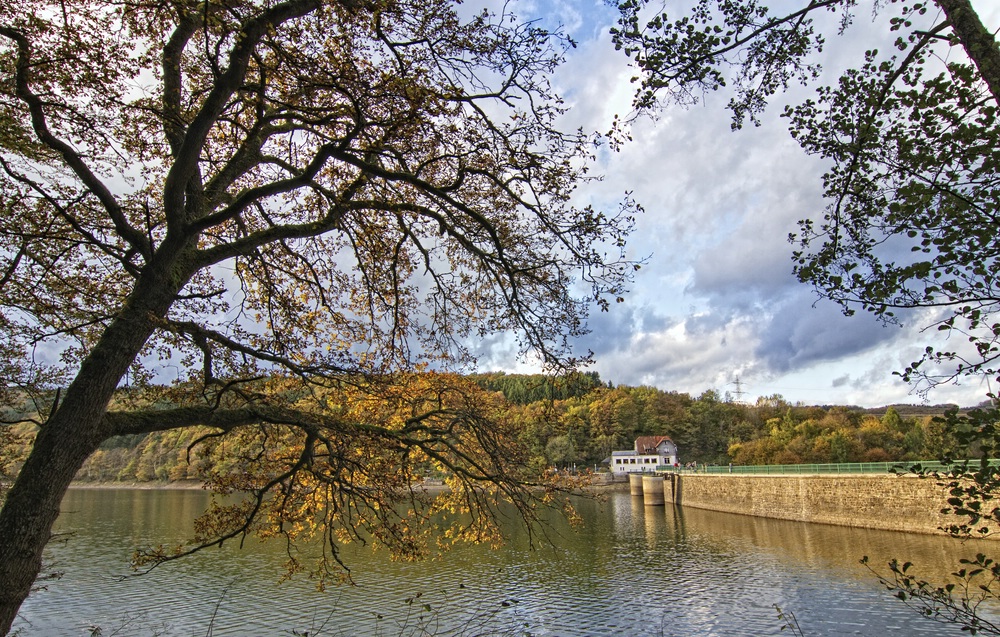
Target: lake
<point x="630" y="570"/>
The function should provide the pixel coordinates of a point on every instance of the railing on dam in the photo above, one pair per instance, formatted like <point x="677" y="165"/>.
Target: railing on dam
<point x="826" y="468"/>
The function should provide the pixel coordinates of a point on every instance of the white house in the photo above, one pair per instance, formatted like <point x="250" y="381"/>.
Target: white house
<point x="650" y="452"/>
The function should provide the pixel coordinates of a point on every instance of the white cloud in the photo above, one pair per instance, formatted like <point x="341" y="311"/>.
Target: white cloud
<point x="683" y="356"/>
<point x="718" y="299"/>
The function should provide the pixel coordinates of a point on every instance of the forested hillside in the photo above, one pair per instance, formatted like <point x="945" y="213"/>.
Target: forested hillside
<point x="580" y="420"/>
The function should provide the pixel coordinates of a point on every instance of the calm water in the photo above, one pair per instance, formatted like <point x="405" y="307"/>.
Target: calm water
<point x="630" y="571"/>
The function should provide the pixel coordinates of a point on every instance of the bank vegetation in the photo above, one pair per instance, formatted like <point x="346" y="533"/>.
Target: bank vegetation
<point x="577" y="421"/>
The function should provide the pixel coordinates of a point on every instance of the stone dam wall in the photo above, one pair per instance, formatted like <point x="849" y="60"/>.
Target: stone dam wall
<point x="887" y="502"/>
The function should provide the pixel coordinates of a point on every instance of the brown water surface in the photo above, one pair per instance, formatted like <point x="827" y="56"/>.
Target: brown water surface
<point x="630" y="570"/>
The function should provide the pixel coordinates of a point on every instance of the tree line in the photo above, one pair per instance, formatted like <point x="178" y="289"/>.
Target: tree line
<point x="578" y="420"/>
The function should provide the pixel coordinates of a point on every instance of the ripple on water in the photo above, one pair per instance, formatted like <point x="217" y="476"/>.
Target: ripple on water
<point x="631" y="570"/>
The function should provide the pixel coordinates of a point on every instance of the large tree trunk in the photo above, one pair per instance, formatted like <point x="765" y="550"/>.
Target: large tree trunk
<point x="73" y="432"/>
<point x="979" y="44"/>
<point x="33" y="504"/>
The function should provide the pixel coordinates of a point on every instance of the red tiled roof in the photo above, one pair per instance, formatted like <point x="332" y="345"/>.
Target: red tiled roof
<point x="647" y="444"/>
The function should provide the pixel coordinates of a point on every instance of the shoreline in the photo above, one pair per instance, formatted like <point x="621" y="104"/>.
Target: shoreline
<point x="185" y="485"/>
<point x="193" y="485"/>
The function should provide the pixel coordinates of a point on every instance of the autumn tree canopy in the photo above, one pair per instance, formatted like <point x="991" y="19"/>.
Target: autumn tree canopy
<point x="909" y="134"/>
<point x="265" y="203"/>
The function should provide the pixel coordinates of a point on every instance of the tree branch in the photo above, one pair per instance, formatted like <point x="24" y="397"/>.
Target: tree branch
<point x="979" y="44"/>
<point x="131" y="235"/>
<point x="185" y="166"/>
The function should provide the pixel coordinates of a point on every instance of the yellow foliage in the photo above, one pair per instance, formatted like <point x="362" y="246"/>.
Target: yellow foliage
<point x="349" y="462"/>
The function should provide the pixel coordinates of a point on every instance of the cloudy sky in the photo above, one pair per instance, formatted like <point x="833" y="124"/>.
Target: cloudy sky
<point x="717" y="304"/>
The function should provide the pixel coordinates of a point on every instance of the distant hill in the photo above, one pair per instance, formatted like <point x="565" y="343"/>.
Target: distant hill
<point x="912" y="411"/>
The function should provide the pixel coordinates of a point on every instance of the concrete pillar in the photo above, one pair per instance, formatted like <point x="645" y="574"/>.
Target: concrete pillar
<point x="652" y="490"/>
<point x="672" y="488"/>
<point x="635" y="483"/>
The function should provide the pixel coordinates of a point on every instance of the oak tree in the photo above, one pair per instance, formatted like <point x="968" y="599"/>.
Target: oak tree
<point x="265" y="204"/>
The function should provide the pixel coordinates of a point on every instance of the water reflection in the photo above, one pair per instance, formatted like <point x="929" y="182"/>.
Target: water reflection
<point x="630" y="570"/>
<point x="824" y="546"/>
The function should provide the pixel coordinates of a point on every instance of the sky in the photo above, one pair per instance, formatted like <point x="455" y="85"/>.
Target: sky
<point x="717" y="307"/>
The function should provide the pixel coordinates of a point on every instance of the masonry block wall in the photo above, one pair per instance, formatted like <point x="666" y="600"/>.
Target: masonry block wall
<point x="899" y="503"/>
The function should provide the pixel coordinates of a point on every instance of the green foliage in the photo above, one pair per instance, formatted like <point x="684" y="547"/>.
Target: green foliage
<point x="585" y="427"/>
<point x="15" y="441"/>
<point x="521" y="389"/>
<point x="7" y="458"/>
<point x="164" y="456"/>
<point x="961" y="601"/>
<point x="837" y="434"/>
<point x="910" y="135"/>
<point x="913" y="194"/>
<point x="683" y="58"/>
<point x="973" y="485"/>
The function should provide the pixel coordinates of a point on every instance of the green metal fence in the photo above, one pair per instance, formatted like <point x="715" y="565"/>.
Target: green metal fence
<point x="830" y="468"/>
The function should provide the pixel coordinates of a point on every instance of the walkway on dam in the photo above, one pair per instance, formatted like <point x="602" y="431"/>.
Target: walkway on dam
<point x="902" y="466"/>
